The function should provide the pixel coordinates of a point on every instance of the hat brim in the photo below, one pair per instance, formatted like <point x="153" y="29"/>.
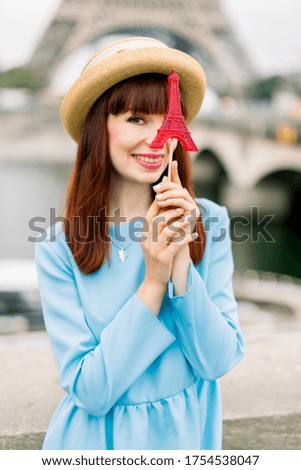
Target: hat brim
<point x="94" y="81"/>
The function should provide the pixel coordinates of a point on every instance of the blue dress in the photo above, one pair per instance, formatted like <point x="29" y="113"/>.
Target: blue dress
<point x="132" y="380"/>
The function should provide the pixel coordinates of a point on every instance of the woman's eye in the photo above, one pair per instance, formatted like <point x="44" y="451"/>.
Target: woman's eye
<point x="136" y="120"/>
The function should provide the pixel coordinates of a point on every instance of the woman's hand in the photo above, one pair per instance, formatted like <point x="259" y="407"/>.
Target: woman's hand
<point x="161" y="241"/>
<point x="173" y="194"/>
<point x="181" y="198"/>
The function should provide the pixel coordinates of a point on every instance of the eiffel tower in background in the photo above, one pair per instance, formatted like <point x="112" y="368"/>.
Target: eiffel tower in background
<point x="198" y="27"/>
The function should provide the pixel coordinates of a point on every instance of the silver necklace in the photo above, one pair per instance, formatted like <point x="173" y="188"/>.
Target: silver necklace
<point x="121" y="253"/>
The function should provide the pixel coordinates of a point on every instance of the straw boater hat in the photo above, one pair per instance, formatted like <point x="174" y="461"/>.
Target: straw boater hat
<point x="124" y="59"/>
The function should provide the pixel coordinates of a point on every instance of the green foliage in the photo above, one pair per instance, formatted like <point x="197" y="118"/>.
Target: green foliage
<point x="263" y="89"/>
<point x="21" y="78"/>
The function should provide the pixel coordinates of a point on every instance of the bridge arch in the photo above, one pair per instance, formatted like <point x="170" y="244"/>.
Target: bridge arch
<point x="209" y="175"/>
<point x="279" y="162"/>
<point x="282" y="199"/>
<point x="287" y="182"/>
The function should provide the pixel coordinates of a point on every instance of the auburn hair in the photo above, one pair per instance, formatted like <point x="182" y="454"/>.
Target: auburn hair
<point x="87" y="202"/>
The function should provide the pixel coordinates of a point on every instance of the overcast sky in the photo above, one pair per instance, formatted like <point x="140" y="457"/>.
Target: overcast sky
<point x="268" y="29"/>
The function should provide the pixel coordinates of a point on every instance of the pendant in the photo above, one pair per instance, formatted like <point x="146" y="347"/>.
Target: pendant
<point x="122" y="255"/>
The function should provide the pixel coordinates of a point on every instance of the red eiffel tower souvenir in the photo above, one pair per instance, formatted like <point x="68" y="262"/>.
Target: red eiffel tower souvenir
<point x="174" y="125"/>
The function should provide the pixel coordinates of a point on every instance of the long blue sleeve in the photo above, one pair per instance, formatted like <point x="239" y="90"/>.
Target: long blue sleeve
<point x="94" y="370"/>
<point x="205" y="315"/>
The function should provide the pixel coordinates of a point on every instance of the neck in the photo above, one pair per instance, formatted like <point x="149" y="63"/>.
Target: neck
<point x="129" y="200"/>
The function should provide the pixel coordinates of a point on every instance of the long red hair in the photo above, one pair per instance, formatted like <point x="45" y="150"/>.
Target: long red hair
<point x="87" y="202"/>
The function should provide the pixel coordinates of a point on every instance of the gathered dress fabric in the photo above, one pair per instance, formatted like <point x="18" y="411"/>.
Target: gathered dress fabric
<point x="134" y="380"/>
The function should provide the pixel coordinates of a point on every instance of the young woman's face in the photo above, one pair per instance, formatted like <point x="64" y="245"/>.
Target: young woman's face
<point x="130" y="137"/>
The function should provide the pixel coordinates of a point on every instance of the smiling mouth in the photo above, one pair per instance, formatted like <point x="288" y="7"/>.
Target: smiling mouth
<point x="149" y="158"/>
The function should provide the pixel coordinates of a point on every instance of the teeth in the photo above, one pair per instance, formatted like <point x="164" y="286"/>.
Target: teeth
<point x="147" y="159"/>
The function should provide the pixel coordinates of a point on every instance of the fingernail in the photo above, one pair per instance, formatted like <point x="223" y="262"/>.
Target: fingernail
<point x="158" y="196"/>
<point x="178" y="209"/>
<point x="158" y="186"/>
<point x="195" y="235"/>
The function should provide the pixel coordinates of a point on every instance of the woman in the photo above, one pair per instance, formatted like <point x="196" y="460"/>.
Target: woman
<point x="141" y="328"/>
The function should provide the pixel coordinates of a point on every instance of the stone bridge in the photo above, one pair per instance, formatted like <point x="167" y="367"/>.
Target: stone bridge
<point x="246" y="156"/>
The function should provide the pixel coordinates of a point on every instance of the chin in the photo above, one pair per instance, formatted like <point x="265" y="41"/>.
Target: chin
<point x="155" y="177"/>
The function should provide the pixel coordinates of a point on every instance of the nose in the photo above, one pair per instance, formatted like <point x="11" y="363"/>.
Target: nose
<point x="152" y="129"/>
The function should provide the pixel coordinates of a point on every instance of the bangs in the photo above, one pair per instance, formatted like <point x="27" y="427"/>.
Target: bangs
<point x="145" y="94"/>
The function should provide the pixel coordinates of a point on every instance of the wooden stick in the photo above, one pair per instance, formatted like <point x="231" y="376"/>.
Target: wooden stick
<point x="172" y="147"/>
<point x="169" y="163"/>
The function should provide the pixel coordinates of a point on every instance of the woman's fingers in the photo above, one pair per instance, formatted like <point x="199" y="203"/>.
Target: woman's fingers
<point x="167" y="224"/>
<point x="163" y="218"/>
<point x="175" y="245"/>
<point x="153" y="211"/>
<point x="177" y="202"/>
<point x="174" y="173"/>
<point x="175" y="231"/>
<point x="169" y="190"/>
<point x="176" y="196"/>
<point x="171" y="202"/>
<point x="181" y="192"/>
<point x="165" y="185"/>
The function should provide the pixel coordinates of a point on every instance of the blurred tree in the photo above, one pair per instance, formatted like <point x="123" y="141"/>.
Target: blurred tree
<point x="21" y="78"/>
<point x="264" y="88"/>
